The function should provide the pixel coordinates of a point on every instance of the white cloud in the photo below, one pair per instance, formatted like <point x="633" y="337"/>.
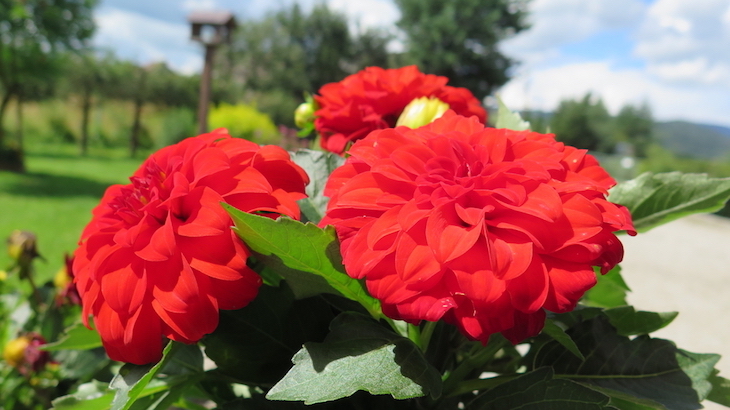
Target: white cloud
<point x="683" y="67"/>
<point x="194" y="5"/>
<point x="368" y="13"/>
<point x="559" y="22"/>
<point x="146" y="40"/>
<point x="372" y="14"/>
<point x="544" y="89"/>
<point x="689" y="71"/>
<point x="687" y="41"/>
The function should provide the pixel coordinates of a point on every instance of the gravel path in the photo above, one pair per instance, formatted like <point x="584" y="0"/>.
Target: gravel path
<point x="684" y="266"/>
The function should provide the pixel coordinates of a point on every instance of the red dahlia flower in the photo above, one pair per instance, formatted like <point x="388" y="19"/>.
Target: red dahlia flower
<point x="158" y="258"/>
<point x="374" y="98"/>
<point x="482" y="227"/>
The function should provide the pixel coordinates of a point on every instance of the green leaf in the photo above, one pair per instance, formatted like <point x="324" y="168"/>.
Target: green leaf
<point x="556" y="332"/>
<point x="89" y="396"/>
<point x="254" y="344"/>
<point x="699" y="367"/>
<point x="157" y="395"/>
<point x="72" y="403"/>
<point x="540" y="390"/>
<point x="163" y="399"/>
<point x="188" y="359"/>
<point x="643" y="367"/>
<point x="318" y="165"/>
<point x="508" y="119"/>
<point x="81" y="364"/>
<point x="77" y="337"/>
<point x="720" y="392"/>
<point x="629" y="322"/>
<point x="580" y="314"/>
<point x="610" y="290"/>
<point x="656" y="199"/>
<point x="625" y="401"/>
<point x="358" y="354"/>
<point x="133" y="379"/>
<point x="313" y="253"/>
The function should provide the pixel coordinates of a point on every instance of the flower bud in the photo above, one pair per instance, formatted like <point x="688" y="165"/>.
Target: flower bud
<point x="14" y="351"/>
<point x="24" y="354"/>
<point x="62" y="279"/>
<point x="422" y="111"/>
<point x="66" y="292"/>
<point x="22" y="246"/>
<point x="304" y="114"/>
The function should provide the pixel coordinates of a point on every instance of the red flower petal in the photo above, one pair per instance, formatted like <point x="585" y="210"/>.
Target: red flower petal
<point x="484" y="228"/>
<point x="373" y="99"/>
<point x="158" y="258"/>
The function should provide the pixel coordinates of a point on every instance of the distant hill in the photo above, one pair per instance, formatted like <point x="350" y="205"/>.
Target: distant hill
<point x="693" y="140"/>
<point x="685" y="139"/>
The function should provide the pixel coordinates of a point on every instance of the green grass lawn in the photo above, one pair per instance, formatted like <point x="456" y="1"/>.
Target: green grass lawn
<point x="55" y="196"/>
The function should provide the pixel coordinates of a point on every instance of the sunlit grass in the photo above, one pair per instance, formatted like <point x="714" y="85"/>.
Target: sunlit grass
<point x="54" y="198"/>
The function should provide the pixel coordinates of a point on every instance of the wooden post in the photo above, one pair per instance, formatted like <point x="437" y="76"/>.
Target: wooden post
<point x="205" y="89"/>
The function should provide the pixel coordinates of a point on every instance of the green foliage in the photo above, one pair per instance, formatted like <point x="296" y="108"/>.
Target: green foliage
<point x="583" y="124"/>
<point x="76" y="337"/>
<point x="183" y="366"/>
<point x="459" y="39"/>
<point x="358" y="354"/>
<point x="32" y="33"/>
<point x="558" y="334"/>
<point x="610" y="291"/>
<point x="655" y="199"/>
<point x="508" y="119"/>
<point x="644" y="367"/>
<point x="244" y="121"/>
<point x="254" y="344"/>
<point x="635" y="125"/>
<point x="539" y="389"/>
<point x="274" y="61"/>
<point x="318" y="165"/>
<point x="660" y="159"/>
<point x="57" y="179"/>
<point x="720" y="392"/>
<point x="629" y="322"/>
<point x="300" y="247"/>
<point x="277" y="104"/>
<point x="172" y="125"/>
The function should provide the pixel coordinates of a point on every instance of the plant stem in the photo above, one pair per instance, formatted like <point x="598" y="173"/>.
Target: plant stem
<point x="473" y="361"/>
<point x="414" y="333"/>
<point x="426" y="334"/>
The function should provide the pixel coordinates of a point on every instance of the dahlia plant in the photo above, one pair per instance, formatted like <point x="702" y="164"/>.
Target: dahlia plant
<point x="421" y="260"/>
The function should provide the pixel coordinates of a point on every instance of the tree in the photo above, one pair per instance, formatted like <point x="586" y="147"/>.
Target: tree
<point x="459" y="39"/>
<point x="583" y="124"/>
<point x="635" y="125"/>
<point x="31" y="34"/>
<point x="155" y="84"/>
<point x="87" y="74"/>
<point x="278" y="59"/>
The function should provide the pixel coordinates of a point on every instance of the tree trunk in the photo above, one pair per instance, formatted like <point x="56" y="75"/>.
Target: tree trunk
<point x="3" y="107"/>
<point x="138" y="103"/>
<point x="85" y="110"/>
<point x="136" y="126"/>
<point x="19" y="122"/>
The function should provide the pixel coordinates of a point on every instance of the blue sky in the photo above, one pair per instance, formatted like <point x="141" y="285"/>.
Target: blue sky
<point x="673" y="54"/>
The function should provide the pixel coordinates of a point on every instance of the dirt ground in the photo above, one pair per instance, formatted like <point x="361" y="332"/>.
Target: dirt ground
<point x="684" y="266"/>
